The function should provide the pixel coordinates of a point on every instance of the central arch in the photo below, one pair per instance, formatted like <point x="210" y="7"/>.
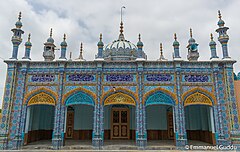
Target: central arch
<point x="160" y="115"/>
<point x="119" y="114"/>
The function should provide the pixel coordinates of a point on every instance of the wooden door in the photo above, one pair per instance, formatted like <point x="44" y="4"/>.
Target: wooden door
<point x="70" y="124"/>
<point x="120" y="123"/>
<point x="170" y="125"/>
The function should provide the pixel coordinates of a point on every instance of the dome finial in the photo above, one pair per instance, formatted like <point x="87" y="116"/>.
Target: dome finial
<point x="51" y="32"/>
<point x="20" y="16"/>
<point x="190" y="32"/>
<point x="139" y="37"/>
<point x="81" y="51"/>
<point x="161" y="49"/>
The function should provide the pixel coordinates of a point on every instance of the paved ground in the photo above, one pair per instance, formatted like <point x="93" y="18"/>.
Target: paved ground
<point x="109" y="145"/>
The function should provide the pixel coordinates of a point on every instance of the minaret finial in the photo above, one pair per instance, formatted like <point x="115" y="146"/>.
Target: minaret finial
<point x="51" y="32"/>
<point x="20" y="16"/>
<point x="29" y="37"/>
<point x="100" y="37"/>
<point x="121" y="24"/>
<point x="211" y="36"/>
<point x="139" y="37"/>
<point x="190" y="32"/>
<point x="175" y="36"/>
<point x="219" y="14"/>
<point x="64" y="37"/>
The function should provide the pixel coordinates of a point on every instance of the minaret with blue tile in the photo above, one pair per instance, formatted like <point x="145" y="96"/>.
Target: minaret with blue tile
<point x="212" y="45"/>
<point x="140" y="47"/>
<point x="176" y="54"/>
<point x="223" y="37"/>
<point x="16" y="38"/>
<point x="28" y="46"/>
<point x="100" y="47"/>
<point x="63" y="48"/>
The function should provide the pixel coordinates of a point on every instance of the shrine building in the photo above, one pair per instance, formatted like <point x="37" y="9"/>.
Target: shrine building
<point x="120" y="95"/>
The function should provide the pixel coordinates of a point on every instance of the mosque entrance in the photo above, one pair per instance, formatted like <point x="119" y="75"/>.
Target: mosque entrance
<point x="120" y="123"/>
<point x="159" y="120"/>
<point x="39" y="123"/>
<point x="200" y="123"/>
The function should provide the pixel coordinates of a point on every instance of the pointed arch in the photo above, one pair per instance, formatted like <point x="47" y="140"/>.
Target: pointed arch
<point x="41" y="95"/>
<point x="160" y="92"/>
<point x="198" y="96"/>
<point x="120" y="93"/>
<point x="88" y="96"/>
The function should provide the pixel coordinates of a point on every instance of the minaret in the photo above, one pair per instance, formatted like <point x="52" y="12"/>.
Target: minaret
<point x="28" y="46"/>
<point x="49" y="48"/>
<point x="140" y="47"/>
<point x="100" y="47"/>
<point x="80" y="58"/>
<point x="193" y="54"/>
<point x="63" y="48"/>
<point x="223" y="37"/>
<point x="212" y="45"/>
<point x="176" y="54"/>
<point x="161" y="58"/>
<point x="16" y="38"/>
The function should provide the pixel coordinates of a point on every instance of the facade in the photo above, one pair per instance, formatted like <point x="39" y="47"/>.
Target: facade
<point x="119" y="95"/>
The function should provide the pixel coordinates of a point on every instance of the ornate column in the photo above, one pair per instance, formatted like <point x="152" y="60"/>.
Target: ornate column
<point x="7" y="105"/>
<point x="58" y="131"/>
<point x="98" y="130"/>
<point x="232" y="105"/>
<point x="219" y="136"/>
<point x="141" y="134"/>
<point x="180" y="135"/>
<point x="20" y="107"/>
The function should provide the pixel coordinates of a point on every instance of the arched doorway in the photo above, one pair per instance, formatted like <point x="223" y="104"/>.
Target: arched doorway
<point x="119" y="118"/>
<point x="39" y="118"/>
<point x="199" y="119"/>
<point x="79" y="118"/>
<point x="160" y="117"/>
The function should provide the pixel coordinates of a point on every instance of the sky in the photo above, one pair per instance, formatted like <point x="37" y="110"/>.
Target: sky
<point x="83" y="21"/>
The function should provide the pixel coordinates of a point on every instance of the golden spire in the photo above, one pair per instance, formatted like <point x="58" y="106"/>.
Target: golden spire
<point x="161" y="50"/>
<point x="190" y="32"/>
<point x="121" y="27"/>
<point x="81" y="51"/>
<point x="51" y="32"/>
<point x="20" y="16"/>
<point x="219" y="14"/>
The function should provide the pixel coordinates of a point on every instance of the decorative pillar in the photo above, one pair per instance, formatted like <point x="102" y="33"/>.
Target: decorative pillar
<point x="232" y="105"/>
<point x="100" y="47"/>
<point x="176" y="54"/>
<point x="212" y="45"/>
<point x="63" y="48"/>
<point x="28" y="46"/>
<point x="141" y="133"/>
<point x="180" y="135"/>
<point x="20" y="108"/>
<point x="5" y="143"/>
<point x="98" y="130"/>
<point x="58" y="131"/>
<point x="223" y="37"/>
<point x="16" y="38"/>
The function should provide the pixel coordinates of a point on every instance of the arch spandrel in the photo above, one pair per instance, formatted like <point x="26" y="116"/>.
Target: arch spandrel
<point x="41" y="98"/>
<point x="159" y="98"/>
<point x="119" y="98"/>
<point x="197" y="98"/>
